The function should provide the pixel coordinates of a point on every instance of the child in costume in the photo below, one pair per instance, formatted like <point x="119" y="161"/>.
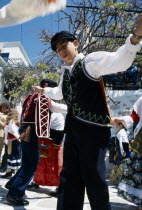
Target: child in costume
<point x="88" y="121"/>
<point x="14" y="143"/>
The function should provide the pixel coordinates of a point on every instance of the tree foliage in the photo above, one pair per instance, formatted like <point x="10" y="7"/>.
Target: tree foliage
<point x="97" y="24"/>
<point x="18" y="81"/>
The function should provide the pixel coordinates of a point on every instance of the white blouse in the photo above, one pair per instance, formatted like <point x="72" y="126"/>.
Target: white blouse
<point x="123" y="138"/>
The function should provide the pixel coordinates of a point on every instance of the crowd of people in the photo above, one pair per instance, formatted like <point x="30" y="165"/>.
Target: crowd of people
<point x="126" y="159"/>
<point x="129" y="186"/>
<point x="127" y="164"/>
<point x="87" y="129"/>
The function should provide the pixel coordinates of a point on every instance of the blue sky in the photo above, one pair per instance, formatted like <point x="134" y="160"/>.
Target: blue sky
<point x="26" y="33"/>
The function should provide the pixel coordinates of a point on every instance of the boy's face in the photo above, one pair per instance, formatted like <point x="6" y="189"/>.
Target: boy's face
<point x="118" y="127"/>
<point x="45" y="85"/>
<point x="67" y="50"/>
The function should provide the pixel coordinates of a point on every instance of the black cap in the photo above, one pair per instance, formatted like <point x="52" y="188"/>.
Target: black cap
<point x="59" y="36"/>
<point x="50" y="82"/>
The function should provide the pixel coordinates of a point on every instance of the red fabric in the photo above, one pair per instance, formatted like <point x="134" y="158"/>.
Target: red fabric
<point x="28" y="109"/>
<point x="36" y="110"/>
<point x="10" y="137"/>
<point x="134" y="116"/>
<point x="49" y="167"/>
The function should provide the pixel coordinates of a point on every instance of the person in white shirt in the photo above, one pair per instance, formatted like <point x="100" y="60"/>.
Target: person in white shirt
<point x="88" y="120"/>
<point x="122" y="153"/>
<point x="122" y="138"/>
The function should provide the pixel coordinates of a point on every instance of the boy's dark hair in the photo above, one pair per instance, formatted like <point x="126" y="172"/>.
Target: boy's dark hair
<point x="50" y="82"/>
<point x="59" y="36"/>
<point x="121" y="125"/>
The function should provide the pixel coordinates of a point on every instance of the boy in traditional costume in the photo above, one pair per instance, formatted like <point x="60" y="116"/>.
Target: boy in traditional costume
<point x="88" y="120"/>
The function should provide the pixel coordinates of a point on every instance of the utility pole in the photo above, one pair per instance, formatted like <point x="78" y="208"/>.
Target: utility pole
<point x="21" y="33"/>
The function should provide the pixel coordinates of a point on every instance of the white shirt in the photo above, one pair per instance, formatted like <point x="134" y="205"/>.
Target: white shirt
<point x="101" y="63"/>
<point x="60" y="108"/>
<point x="122" y="137"/>
<point x="19" y="11"/>
<point x="57" y="121"/>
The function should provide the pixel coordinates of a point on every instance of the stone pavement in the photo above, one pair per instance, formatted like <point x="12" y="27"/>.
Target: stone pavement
<point x="39" y="199"/>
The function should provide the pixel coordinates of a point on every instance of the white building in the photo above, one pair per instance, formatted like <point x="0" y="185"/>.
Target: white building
<point x="11" y="54"/>
<point x="2" y="63"/>
<point x="14" y="53"/>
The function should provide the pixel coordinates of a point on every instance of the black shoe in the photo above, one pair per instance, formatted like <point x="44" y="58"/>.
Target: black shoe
<point x="2" y="170"/>
<point x="8" y="186"/>
<point x="7" y="175"/>
<point x="53" y="193"/>
<point x="16" y="201"/>
<point x="33" y="185"/>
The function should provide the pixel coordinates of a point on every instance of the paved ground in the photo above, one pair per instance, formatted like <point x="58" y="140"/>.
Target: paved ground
<point x="39" y="200"/>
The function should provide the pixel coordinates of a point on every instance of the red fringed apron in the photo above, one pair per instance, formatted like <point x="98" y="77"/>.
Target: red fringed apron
<point x="50" y="164"/>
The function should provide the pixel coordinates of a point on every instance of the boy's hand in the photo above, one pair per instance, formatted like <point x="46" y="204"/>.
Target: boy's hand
<point x="138" y="30"/>
<point x="38" y="89"/>
<point x="116" y="120"/>
<point x="137" y="35"/>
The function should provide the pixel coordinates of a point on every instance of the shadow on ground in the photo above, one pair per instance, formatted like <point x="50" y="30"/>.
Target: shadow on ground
<point x="41" y="190"/>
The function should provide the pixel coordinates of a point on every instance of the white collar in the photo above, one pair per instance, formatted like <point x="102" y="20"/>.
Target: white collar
<point x="79" y="56"/>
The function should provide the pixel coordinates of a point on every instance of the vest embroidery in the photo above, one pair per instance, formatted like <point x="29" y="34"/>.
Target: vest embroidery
<point x="88" y="116"/>
<point x="71" y="97"/>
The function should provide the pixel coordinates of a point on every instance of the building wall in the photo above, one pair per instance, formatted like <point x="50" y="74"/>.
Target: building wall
<point x="123" y="101"/>
<point x="17" y="54"/>
<point x="122" y="104"/>
<point x="2" y="63"/>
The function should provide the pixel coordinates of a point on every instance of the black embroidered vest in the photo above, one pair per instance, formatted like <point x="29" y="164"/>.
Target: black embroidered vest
<point x="85" y="96"/>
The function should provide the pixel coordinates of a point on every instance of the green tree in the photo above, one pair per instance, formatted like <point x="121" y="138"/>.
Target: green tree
<point x="97" y="24"/>
<point x="19" y="80"/>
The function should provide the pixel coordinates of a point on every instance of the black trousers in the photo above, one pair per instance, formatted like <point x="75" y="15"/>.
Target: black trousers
<point x="30" y="158"/>
<point x="84" y="167"/>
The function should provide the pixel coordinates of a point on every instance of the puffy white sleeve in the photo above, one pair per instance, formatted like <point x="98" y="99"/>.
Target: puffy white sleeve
<point x="127" y="121"/>
<point x="103" y="63"/>
<point x="56" y="92"/>
<point x="56" y="107"/>
<point x="20" y="11"/>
